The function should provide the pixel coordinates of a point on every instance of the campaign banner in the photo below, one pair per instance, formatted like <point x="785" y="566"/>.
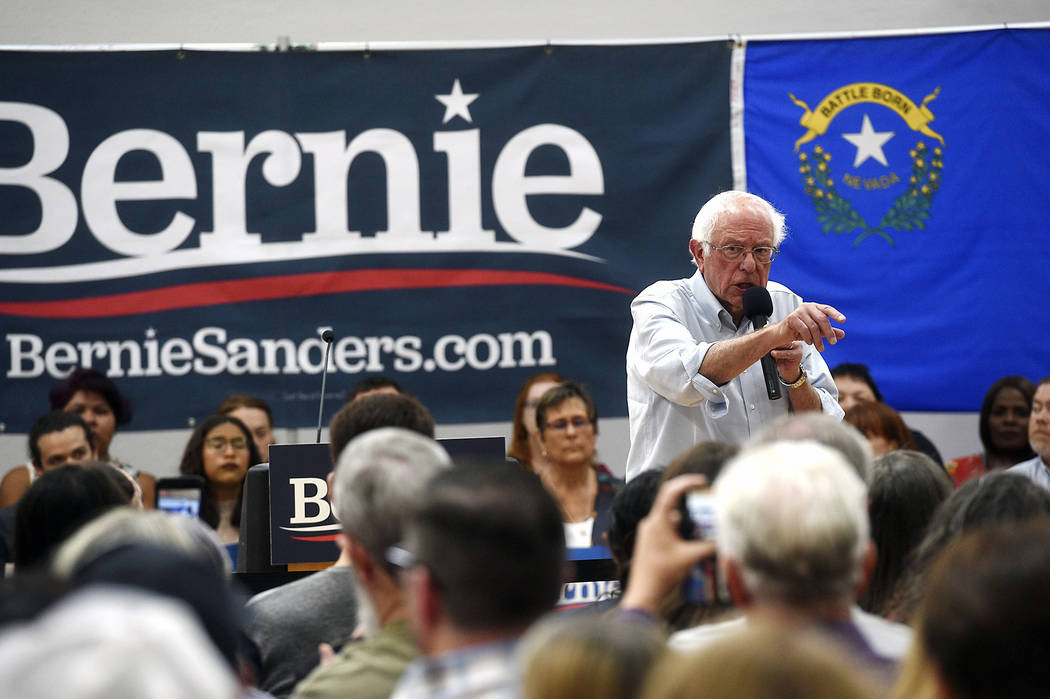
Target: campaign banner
<point x="911" y="172"/>
<point x="188" y="221"/>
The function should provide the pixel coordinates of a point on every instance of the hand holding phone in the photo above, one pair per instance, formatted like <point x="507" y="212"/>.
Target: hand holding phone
<point x="181" y="495"/>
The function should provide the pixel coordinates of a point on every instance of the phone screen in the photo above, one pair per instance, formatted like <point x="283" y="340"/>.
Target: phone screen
<point x="703" y="584"/>
<point x="182" y="501"/>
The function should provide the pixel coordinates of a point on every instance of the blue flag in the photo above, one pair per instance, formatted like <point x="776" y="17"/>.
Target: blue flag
<point x="912" y="173"/>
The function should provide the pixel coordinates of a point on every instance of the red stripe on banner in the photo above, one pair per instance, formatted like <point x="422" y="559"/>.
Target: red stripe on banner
<point x="326" y="537"/>
<point x="287" y="286"/>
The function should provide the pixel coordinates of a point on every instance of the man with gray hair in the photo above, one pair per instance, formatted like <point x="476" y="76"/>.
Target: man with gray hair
<point x="794" y="550"/>
<point x="823" y="429"/>
<point x="693" y="371"/>
<point x="379" y="482"/>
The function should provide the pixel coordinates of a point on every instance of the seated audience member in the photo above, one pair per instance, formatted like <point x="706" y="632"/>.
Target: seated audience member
<point x="525" y="443"/>
<point x="882" y="425"/>
<point x="985" y="615"/>
<point x="381" y="477"/>
<point x="705" y="459"/>
<point x="289" y="622"/>
<point x="793" y="548"/>
<point x="256" y="415"/>
<point x="96" y="399"/>
<point x="55" y="439"/>
<point x="1003" y="427"/>
<point x="759" y="663"/>
<point x="483" y="562"/>
<point x="996" y="497"/>
<point x="378" y="410"/>
<point x="57" y="504"/>
<point x="822" y="429"/>
<point x="94" y="396"/>
<point x="123" y="526"/>
<point x="596" y="657"/>
<point x="371" y="385"/>
<point x="629" y="506"/>
<point x="855" y="384"/>
<point x="113" y="643"/>
<point x="905" y="490"/>
<point x="171" y="573"/>
<point x="568" y="422"/>
<point x="221" y="450"/>
<point x="1038" y="467"/>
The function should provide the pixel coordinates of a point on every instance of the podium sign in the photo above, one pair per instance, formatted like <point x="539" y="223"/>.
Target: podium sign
<point x="303" y="527"/>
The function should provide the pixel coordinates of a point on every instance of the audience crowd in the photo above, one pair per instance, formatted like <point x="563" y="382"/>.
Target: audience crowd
<point x="820" y="557"/>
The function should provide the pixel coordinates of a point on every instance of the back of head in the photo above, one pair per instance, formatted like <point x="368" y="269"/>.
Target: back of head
<point x="380" y="480"/>
<point x="579" y="657"/>
<point x="629" y="506"/>
<point x="378" y="410"/>
<point x="113" y="644"/>
<point x="171" y="573"/>
<point x="706" y="459"/>
<point x="759" y="663"/>
<point x="124" y="526"/>
<point x="87" y="379"/>
<point x="372" y="384"/>
<point x="985" y="618"/>
<point x="793" y="516"/>
<point x="878" y="419"/>
<point x="491" y="536"/>
<point x="57" y="504"/>
<point x="825" y="430"/>
<point x="905" y="491"/>
<point x="995" y="497"/>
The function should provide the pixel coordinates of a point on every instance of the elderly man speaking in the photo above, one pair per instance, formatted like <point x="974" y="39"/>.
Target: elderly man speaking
<point x="693" y="361"/>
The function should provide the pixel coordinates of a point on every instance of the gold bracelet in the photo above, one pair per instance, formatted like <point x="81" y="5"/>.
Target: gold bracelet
<point x="798" y="382"/>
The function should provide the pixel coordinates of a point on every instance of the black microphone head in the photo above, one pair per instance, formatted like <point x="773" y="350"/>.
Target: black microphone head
<point x="757" y="302"/>
<point x="328" y="336"/>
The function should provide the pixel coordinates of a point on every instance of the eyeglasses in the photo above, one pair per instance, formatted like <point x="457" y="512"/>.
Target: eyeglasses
<point x="577" y="422"/>
<point x="220" y="443"/>
<point x="763" y="255"/>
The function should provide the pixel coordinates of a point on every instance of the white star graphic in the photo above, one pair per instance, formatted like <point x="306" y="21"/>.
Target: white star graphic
<point x="456" y="103"/>
<point x="869" y="143"/>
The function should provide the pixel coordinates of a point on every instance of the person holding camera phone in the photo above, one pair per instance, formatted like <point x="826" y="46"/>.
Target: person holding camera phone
<point x="793" y="546"/>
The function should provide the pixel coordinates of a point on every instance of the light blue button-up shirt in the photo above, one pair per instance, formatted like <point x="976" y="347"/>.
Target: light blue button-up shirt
<point x="671" y="406"/>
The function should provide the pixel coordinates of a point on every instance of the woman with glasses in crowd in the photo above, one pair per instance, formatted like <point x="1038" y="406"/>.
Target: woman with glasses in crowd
<point x="221" y="450"/>
<point x="568" y="430"/>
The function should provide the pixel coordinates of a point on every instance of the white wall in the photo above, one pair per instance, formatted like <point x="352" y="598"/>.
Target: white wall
<point x="308" y="21"/>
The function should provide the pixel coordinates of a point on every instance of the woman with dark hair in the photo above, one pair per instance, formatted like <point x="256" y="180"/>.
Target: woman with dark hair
<point x="855" y="384"/>
<point x="93" y="396"/>
<point x="255" y="413"/>
<point x="56" y="505"/>
<point x="221" y="450"/>
<point x="1003" y="427"/>
<point x="882" y="425"/>
<point x="525" y="440"/>
<point x="567" y="419"/>
<point x="905" y="489"/>
<point x="994" y="497"/>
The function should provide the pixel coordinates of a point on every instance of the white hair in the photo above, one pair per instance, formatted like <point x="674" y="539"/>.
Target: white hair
<point x="126" y="525"/>
<point x="823" y="429"/>
<point x="713" y="213"/>
<point x="380" y="480"/>
<point x="793" y="516"/>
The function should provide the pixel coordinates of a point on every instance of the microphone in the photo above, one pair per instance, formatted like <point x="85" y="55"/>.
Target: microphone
<point x="327" y="336"/>
<point x="758" y="306"/>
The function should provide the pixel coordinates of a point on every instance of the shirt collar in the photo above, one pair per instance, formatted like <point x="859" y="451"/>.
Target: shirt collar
<point x="710" y="307"/>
